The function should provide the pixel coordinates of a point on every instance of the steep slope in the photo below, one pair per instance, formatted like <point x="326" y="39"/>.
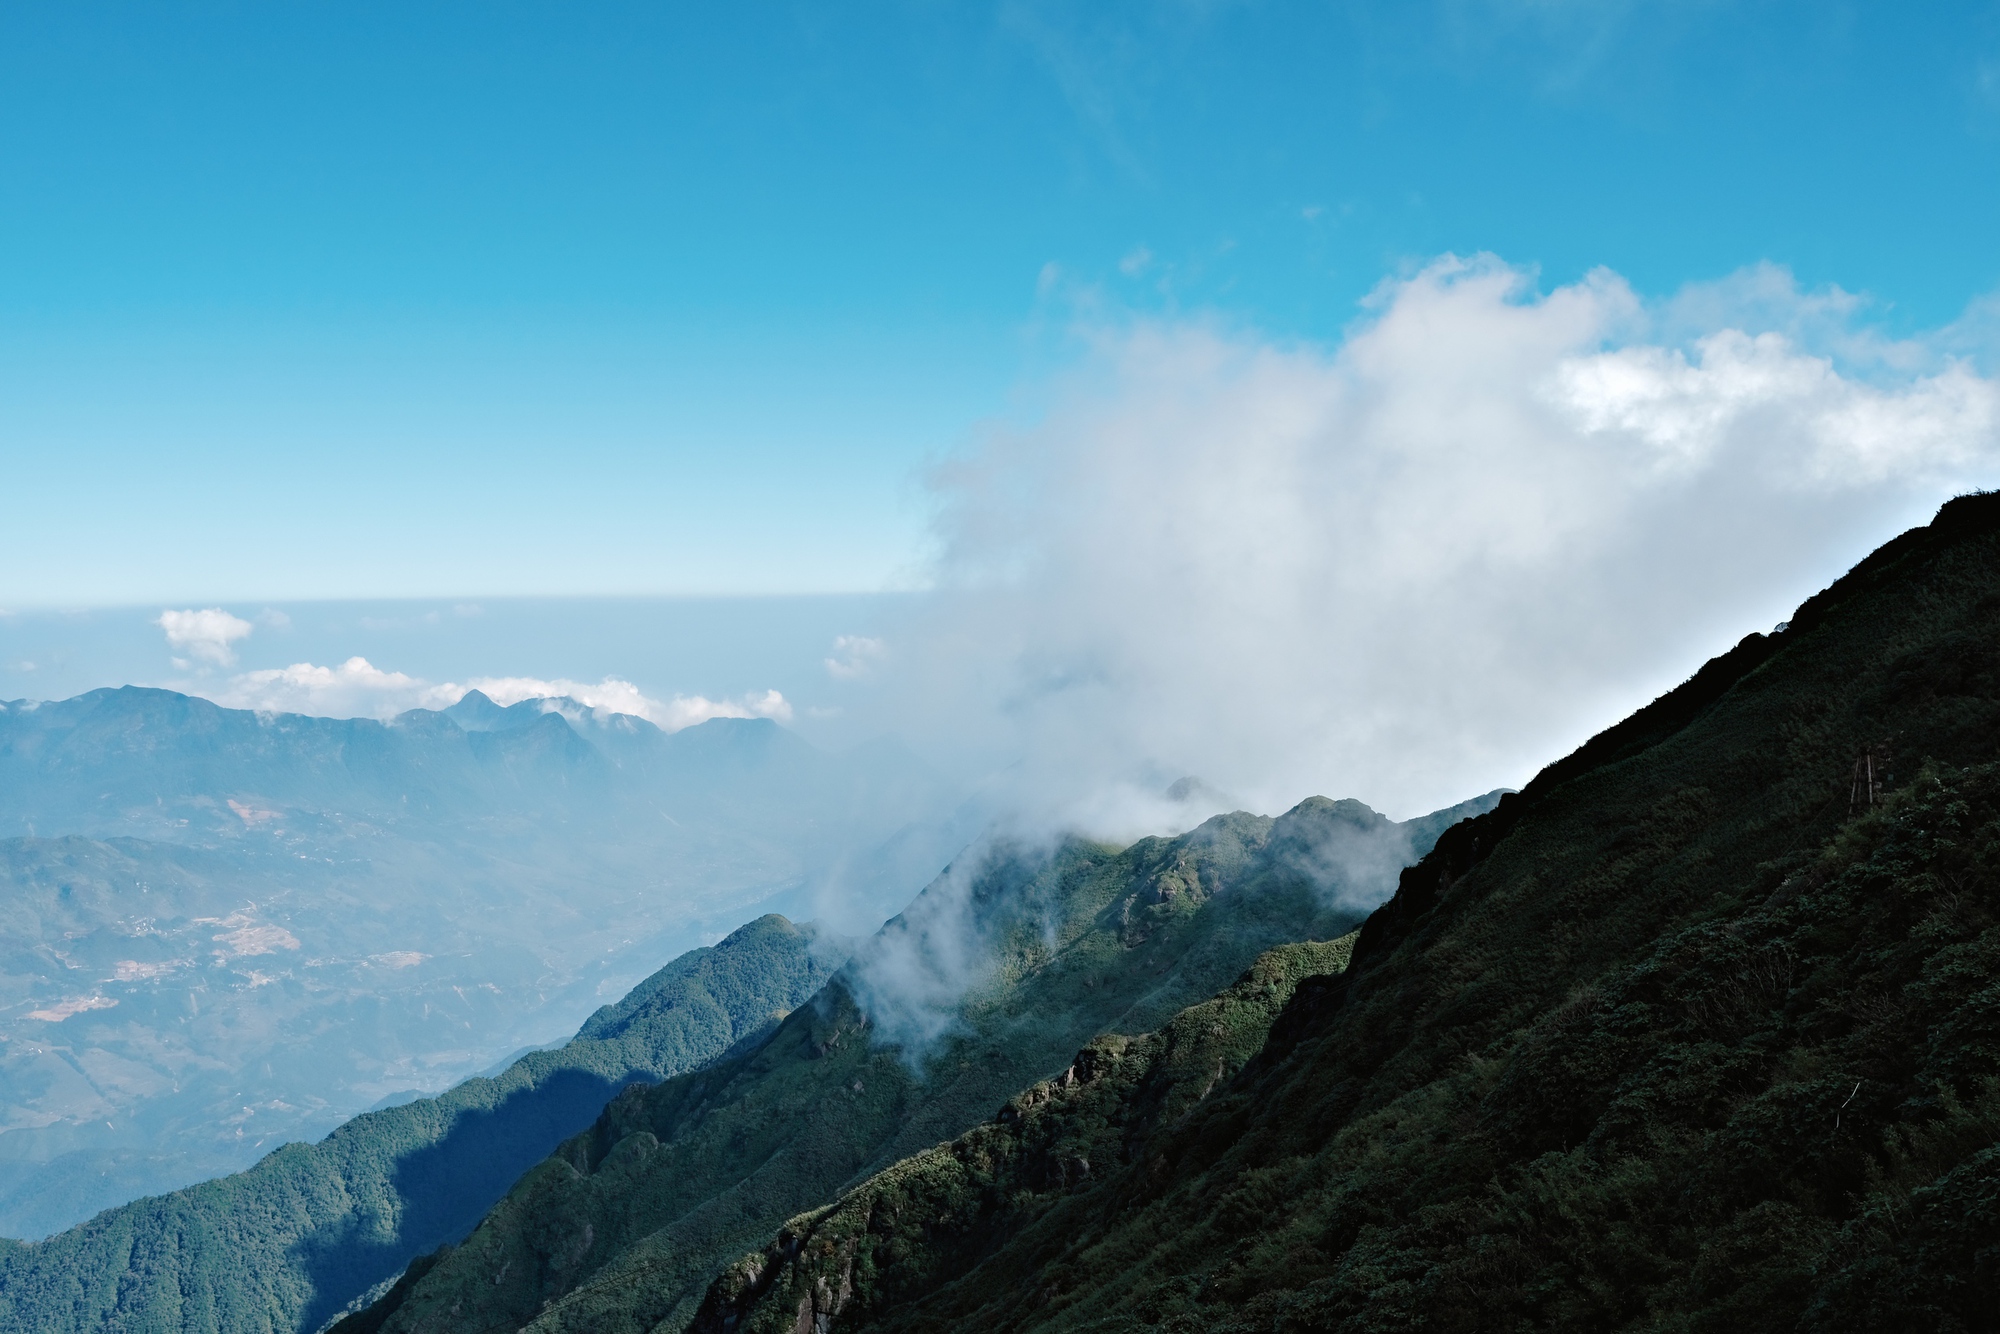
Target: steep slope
<point x="1699" y="1032"/>
<point x="624" y="1227"/>
<point x="936" y="1214"/>
<point x="293" y="1240"/>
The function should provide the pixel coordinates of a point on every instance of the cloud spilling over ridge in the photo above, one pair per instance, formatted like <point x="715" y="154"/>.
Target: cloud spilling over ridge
<point x="358" y="689"/>
<point x="1420" y="563"/>
<point x="204" y="636"/>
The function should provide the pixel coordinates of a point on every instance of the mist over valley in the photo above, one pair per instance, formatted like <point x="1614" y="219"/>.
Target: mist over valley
<point x="229" y="930"/>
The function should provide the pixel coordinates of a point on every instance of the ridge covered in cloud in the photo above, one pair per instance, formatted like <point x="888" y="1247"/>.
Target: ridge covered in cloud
<point x="1416" y="564"/>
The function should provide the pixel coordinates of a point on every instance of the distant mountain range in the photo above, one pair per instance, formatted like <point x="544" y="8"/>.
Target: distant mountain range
<point x="221" y="930"/>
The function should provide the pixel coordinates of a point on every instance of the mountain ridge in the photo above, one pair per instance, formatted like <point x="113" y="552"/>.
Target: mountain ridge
<point x="624" y="1226"/>
<point x="1695" y="1033"/>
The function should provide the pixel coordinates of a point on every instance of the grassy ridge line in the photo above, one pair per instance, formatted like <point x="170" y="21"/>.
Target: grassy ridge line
<point x="1674" y="1041"/>
<point x="624" y="1228"/>
<point x="288" y="1243"/>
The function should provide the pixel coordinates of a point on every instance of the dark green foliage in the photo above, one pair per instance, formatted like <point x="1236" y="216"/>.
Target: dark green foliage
<point x="930" y="1218"/>
<point x="1673" y="1040"/>
<point x="290" y="1242"/>
<point x="625" y="1226"/>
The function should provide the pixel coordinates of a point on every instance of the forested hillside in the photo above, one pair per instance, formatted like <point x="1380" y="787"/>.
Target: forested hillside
<point x="1699" y="1032"/>
<point x="933" y="1215"/>
<point x="290" y="1242"/>
<point x="625" y="1226"/>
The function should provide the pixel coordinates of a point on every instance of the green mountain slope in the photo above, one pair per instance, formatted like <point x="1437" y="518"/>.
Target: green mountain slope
<point x="937" y="1213"/>
<point x="1699" y="1032"/>
<point x="290" y="1242"/>
<point x="625" y="1226"/>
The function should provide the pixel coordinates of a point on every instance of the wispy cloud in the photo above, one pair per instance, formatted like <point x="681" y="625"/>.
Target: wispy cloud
<point x="855" y="656"/>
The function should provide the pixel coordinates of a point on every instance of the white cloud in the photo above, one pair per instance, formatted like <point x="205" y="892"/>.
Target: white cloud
<point x="1419" y="563"/>
<point x="205" y="636"/>
<point x="1762" y="396"/>
<point x="608" y="696"/>
<point x="354" y="689"/>
<point x="688" y="710"/>
<point x="359" y="689"/>
<point x="612" y="695"/>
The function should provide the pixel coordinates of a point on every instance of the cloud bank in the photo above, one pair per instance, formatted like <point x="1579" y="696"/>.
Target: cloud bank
<point x="1415" y="565"/>
<point x="612" y="695"/>
<point x="356" y="688"/>
<point x="359" y="689"/>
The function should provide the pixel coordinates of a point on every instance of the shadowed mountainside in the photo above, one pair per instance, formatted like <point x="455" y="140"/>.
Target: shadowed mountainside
<point x="939" y="1212"/>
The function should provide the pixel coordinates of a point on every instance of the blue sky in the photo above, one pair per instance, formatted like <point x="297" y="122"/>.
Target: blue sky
<point x="371" y="300"/>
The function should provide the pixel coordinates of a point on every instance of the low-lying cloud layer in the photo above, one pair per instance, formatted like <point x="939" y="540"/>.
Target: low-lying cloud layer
<point x="357" y="688"/>
<point x="1415" y="565"/>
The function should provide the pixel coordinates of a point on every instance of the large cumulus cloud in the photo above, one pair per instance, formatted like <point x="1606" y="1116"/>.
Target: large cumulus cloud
<point x="1414" y="564"/>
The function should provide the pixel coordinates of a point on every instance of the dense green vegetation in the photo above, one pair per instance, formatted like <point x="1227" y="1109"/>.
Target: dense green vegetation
<point x="936" y="1213"/>
<point x="625" y="1226"/>
<point x="292" y="1241"/>
<point x="1699" y="1032"/>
